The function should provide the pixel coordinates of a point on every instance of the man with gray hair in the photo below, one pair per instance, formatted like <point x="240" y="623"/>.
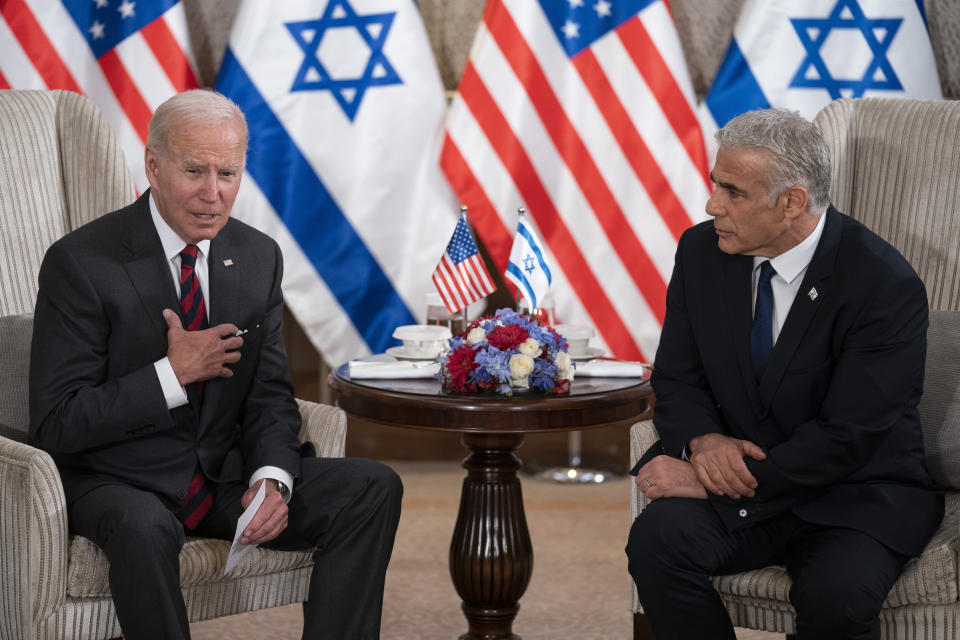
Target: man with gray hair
<point x="159" y="384"/>
<point x="787" y="380"/>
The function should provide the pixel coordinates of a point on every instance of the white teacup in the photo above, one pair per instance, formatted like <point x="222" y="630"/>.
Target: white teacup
<point x="578" y="337"/>
<point x="422" y="340"/>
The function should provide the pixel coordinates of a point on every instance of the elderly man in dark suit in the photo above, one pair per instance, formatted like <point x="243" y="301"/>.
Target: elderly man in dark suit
<point x="787" y="381"/>
<point x="159" y="385"/>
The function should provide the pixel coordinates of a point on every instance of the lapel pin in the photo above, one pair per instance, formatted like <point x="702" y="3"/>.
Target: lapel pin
<point x="813" y="293"/>
<point x="228" y="262"/>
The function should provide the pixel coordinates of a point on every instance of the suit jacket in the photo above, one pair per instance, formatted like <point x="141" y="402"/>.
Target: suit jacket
<point x="95" y="400"/>
<point x="836" y="408"/>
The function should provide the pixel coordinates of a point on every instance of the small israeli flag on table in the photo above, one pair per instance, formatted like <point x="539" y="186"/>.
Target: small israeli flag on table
<point x="528" y="268"/>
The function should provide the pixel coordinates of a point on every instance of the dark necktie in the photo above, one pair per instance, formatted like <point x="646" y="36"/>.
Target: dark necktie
<point x="761" y="336"/>
<point x="194" y="313"/>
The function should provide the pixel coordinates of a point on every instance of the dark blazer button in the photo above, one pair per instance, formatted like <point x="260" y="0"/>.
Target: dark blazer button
<point x="182" y="495"/>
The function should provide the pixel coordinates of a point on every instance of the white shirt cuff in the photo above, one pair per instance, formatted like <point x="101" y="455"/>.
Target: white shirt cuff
<point x="275" y="473"/>
<point x="175" y="395"/>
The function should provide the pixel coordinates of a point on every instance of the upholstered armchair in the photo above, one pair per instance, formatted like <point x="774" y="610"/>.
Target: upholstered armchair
<point x="60" y="166"/>
<point x="896" y="169"/>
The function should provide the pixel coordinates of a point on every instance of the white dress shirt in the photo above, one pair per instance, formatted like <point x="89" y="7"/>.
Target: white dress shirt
<point x="175" y="394"/>
<point x="790" y="267"/>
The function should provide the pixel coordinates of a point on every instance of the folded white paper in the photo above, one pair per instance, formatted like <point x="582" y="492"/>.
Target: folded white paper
<point x="238" y="550"/>
<point x="360" y="369"/>
<point x="611" y="369"/>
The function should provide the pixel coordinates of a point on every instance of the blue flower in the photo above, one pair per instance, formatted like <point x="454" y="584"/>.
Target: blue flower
<point x="492" y="365"/>
<point x="544" y="374"/>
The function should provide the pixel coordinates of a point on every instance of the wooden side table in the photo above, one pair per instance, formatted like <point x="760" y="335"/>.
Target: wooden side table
<point x="491" y="555"/>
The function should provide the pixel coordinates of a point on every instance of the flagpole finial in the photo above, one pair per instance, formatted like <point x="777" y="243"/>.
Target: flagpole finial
<point x="521" y="211"/>
<point x="463" y="209"/>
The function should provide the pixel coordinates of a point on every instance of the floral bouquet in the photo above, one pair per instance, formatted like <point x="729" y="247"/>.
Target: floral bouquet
<point x="506" y="352"/>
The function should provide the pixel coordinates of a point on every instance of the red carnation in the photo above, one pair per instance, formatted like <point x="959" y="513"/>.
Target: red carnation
<point x="459" y="366"/>
<point x="508" y="336"/>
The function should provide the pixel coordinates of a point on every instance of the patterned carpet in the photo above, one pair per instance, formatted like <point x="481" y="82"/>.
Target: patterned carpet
<point x="579" y="589"/>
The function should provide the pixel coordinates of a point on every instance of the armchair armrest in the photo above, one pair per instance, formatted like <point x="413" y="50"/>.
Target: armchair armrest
<point x="642" y="436"/>
<point x="33" y="537"/>
<point x="325" y="426"/>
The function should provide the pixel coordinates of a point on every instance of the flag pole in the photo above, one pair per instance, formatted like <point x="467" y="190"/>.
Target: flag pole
<point x="521" y="212"/>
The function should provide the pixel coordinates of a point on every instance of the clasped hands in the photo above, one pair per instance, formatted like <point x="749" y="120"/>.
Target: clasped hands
<point x="201" y="355"/>
<point x="716" y="465"/>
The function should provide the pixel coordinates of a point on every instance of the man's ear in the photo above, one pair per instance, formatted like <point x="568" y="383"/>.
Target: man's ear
<point x="795" y="201"/>
<point x="151" y="163"/>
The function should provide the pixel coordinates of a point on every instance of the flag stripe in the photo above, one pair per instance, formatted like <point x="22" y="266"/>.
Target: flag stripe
<point x="567" y="140"/>
<point x="483" y="214"/>
<point x="37" y="45"/>
<point x="741" y="90"/>
<point x="313" y="217"/>
<point x="169" y="54"/>
<point x="651" y="65"/>
<point x="555" y="233"/>
<point x="644" y="165"/>
<point x="124" y="87"/>
<point x="3" y="81"/>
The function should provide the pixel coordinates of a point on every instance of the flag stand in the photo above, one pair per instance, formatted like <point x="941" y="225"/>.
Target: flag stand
<point x="573" y="473"/>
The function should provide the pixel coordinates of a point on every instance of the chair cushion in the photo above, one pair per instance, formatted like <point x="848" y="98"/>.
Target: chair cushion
<point x="16" y="331"/>
<point x="201" y="561"/>
<point x="929" y="579"/>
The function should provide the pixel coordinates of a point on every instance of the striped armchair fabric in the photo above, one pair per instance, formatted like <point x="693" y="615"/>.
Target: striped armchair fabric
<point x="897" y="170"/>
<point x="60" y="166"/>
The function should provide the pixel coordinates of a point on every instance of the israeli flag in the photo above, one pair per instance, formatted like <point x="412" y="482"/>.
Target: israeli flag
<point x="528" y="268"/>
<point x="346" y="112"/>
<point x="801" y="54"/>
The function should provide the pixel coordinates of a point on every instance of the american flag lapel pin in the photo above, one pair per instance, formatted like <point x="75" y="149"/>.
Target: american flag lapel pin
<point x="228" y="262"/>
<point x="813" y="293"/>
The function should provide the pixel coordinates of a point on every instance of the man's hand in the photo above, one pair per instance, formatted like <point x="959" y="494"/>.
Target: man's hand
<point x="270" y="519"/>
<point x="718" y="461"/>
<point x="200" y="355"/>
<point x="666" y="477"/>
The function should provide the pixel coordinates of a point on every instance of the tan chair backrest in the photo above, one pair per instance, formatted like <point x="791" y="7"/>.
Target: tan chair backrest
<point x="60" y="166"/>
<point x="897" y="170"/>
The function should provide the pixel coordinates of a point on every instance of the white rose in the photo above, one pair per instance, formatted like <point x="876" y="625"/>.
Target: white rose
<point x="476" y="335"/>
<point x="520" y="368"/>
<point x="564" y="366"/>
<point x="530" y="347"/>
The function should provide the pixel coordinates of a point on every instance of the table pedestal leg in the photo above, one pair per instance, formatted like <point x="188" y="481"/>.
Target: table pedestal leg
<point x="491" y="557"/>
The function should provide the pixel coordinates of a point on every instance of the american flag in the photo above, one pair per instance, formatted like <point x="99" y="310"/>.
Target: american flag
<point x="582" y="111"/>
<point x="126" y="56"/>
<point x="461" y="277"/>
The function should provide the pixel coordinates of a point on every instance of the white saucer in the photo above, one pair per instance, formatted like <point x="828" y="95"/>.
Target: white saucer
<point x="400" y="354"/>
<point x="589" y="354"/>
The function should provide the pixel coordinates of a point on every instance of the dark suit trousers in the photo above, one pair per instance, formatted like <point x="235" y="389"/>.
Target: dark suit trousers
<point x="347" y="509"/>
<point x="840" y="576"/>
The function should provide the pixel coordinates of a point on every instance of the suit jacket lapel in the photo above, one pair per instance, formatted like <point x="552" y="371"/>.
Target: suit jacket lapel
<point x="146" y="266"/>
<point x="805" y="305"/>
<point x="736" y="291"/>
<point x="225" y="273"/>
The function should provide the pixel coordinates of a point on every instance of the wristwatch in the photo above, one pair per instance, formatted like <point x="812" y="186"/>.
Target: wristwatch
<point x="284" y="491"/>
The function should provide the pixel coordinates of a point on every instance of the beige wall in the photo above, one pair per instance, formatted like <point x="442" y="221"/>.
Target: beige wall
<point x="704" y="25"/>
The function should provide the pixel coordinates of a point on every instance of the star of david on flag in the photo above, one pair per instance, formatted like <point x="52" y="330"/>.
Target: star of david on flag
<point x="343" y="167"/>
<point x="314" y="74"/>
<point x="801" y="54"/>
<point x="528" y="267"/>
<point x="126" y="56"/>
<point x="461" y="278"/>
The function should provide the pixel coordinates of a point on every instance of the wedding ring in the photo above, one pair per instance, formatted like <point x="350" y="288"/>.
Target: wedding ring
<point x="647" y="484"/>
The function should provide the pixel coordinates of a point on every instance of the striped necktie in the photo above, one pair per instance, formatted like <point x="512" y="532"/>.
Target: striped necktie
<point x="194" y="312"/>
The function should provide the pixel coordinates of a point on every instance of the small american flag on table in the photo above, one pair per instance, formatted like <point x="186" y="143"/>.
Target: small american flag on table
<point x="461" y="277"/>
